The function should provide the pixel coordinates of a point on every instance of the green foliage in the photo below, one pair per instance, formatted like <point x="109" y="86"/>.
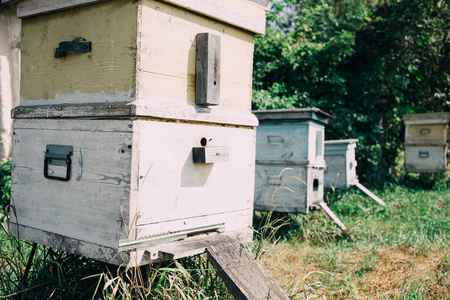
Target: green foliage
<point x="5" y="184"/>
<point x="366" y="63"/>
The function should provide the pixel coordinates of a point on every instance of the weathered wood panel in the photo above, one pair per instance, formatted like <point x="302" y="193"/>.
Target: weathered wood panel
<point x="427" y="133"/>
<point x="240" y="13"/>
<point x="88" y="206"/>
<point x="289" y="142"/>
<point x="236" y="12"/>
<point x="287" y="188"/>
<point x="172" y="187"/>
<point x="341" y="163"/>
<point x="426" y="159"/>
<point x="167" y="54"/>
<point x="27" y="8"/>
<point x="243" y="276"/>
<point x="80" y="247"/>
<point x="106" y="74"/>
<point x="207" y="69"/>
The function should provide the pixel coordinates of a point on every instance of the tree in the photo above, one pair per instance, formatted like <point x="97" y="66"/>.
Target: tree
<point x="367" y="64"/>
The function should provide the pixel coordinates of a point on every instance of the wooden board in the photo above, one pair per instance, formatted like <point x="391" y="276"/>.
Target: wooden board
<point x="341" y="163"/>
<point x="426" y="159"/>
<point x="369" y="193"/>
<point x="427" y="133"/>
<point x="167" y="55"/>
<point x="240" y="13"/>
<point x="207" y="69"/>
<point x="172" y="190"/>
<point x="332" y="216"/>
<point x="190" y="246"/>
<point x="243" y="276"/>
<point x="290" y="142"/>
<point x="88" y="206"/>
<point x="106" y="74"/>
<point x="287" y="188"/>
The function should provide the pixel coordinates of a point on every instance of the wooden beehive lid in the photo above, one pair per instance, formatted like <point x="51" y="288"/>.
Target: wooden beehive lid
<point x="297" y="114"/>
<point x="348" y="141"/>
<point x="427" y="118"/>
<point x="339" y="145"/>
<point x="247" y="14"/>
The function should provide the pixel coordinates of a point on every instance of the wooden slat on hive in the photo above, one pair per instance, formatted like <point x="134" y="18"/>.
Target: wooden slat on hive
<point x="243" y="276"/>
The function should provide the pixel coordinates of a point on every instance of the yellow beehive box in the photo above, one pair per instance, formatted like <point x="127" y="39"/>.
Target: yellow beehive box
<point x="142" y="52"/>
<point x="427" y="127"/>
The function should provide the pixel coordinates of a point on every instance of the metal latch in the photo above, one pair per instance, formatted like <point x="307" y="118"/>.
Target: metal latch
<point x="424" y="154"/>
<point x="59" y="156"/>
<point x="64" y="47"/>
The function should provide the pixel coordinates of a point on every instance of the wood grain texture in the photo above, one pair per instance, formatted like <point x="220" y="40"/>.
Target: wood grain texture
<point x="243" y="276"/>
<point x="209" y="155"/>
<point x="287" y="188"/>
<point x="426" y="159"/>
<point x="239" y="13"/>
<point x="236" y="12"/>
<point x="207" y="69"/>
<point x="99" y="110"/>
<point x="28" y="8"/>
<point x="80" y="247"/>
<point x="172" y="187"/>
<point x="156" y="109"/>
<point x="106" y="74"/>
<point x="192" y="245"/>
<point x="167" y="55"/>
<point x="88" y="207"/>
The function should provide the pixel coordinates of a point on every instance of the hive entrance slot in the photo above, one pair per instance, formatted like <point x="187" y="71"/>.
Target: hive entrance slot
<point x="315" y="185"/>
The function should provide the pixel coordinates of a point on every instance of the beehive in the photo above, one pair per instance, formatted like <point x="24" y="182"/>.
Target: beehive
<point x="341" y="163"/>
<point x="426" y="142"/>
<point x="134" y="129"/>
<point x="289" y="154"/>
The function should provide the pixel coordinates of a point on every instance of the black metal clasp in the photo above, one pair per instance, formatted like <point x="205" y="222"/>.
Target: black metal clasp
<point x="64" y="47"/>
<point x="59" y="156"/>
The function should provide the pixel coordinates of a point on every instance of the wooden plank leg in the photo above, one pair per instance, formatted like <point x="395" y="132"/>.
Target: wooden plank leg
<point x="369" y="193"/>
<point x="243" y="276"/>
<point x="331" y="214"/>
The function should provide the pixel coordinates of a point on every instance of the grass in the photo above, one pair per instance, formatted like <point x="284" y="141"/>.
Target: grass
<point x="401" y="251"/>
<point x="398" y="252"/>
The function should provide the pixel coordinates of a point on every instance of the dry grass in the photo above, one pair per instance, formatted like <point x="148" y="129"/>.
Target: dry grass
<point x="363" y="274"/>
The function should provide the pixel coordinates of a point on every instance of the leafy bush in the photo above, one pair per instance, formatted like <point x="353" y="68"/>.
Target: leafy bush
<point x="5" y="185"/>
<point x="366" y="64"/>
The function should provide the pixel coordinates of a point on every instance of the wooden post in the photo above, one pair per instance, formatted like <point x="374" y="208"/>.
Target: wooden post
<point x="369" y="193"/>
<point x="243" y="276"/>
<point x="331" y="214"/>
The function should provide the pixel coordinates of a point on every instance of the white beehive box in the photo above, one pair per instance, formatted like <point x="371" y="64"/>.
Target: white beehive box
<point x="341" y="163"/>
<point x="293" y="139"/>
<point x="142" y="141"/>
<point x="426" y="142"/>
<point x="426" y="158"/>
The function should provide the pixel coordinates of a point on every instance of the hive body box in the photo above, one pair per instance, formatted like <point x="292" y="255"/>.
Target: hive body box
<point x="289" y="159"/>
<point x="426" y="142"/>
<point x="341" y="163"/>
<point x="103" y="143"/>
